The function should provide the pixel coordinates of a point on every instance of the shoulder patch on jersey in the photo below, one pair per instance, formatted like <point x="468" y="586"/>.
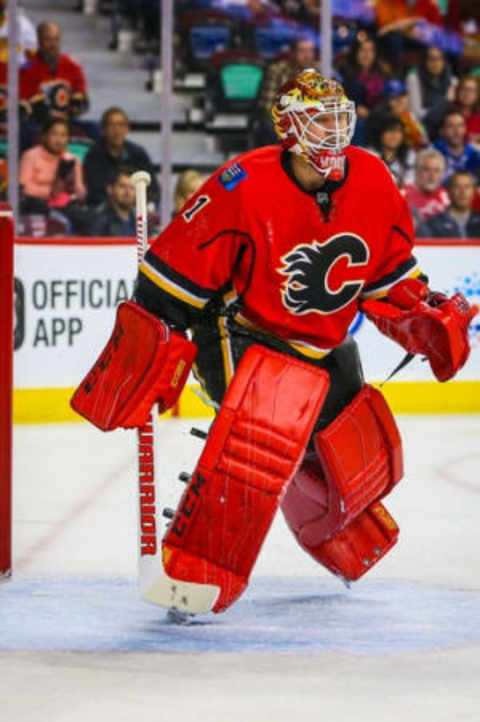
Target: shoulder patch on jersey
<point x="232" y="176"/>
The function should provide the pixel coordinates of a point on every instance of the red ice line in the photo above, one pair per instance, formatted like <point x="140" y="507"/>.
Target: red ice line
<point x="73" y="515"/>
<point x="450" y="476"/>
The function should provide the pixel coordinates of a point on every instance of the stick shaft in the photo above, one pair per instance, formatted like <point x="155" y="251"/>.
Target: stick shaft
<point x="141" y="216"/>
<point x="148" y="526"/>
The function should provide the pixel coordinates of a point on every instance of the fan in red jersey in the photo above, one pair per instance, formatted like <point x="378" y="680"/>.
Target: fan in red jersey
<point x="265" y="268"/>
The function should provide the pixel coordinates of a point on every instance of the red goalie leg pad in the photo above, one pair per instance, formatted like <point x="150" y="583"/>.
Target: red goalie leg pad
<point x="360" y="454"/>
<point x="143" y="362"/>
<point x="356" y="548"/>
<point x="306" y="498"/>
<point x="349" y="552"/>
<point x="252" y="451"/>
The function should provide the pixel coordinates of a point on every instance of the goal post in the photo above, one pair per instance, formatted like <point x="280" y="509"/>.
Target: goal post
<point x="6" y="383"/>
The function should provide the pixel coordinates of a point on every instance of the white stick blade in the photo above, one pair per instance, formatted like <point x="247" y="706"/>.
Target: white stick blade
<point x="188" y="597"/>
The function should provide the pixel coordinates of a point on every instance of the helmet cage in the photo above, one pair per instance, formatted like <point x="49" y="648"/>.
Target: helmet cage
<point x="314" y="137"/>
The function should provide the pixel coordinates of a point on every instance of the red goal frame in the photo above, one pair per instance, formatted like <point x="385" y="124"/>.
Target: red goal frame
<point x="6" y="383"/>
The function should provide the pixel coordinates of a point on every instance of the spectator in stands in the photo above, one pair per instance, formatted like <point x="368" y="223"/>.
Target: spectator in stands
<point x="396" y="104"/>
<point x="112" y="151"/>
<point x="426" y="196"/>
<point x="50" y="177"/>
<point x="431" y="85"/>
<point x="467" y="101"/>
<point x="390" y="146"/>
<point x="459" y="154"/>
<point x="459" y="220"/>
<point x="116" y="216"/>
<point x="363" y="81"/>
<point x="188" y="183"/>
<point x="301" y="56"/>
<point x="362" y="77"/>
<point x="397" y="21"/>
<point x="57" y="84"/>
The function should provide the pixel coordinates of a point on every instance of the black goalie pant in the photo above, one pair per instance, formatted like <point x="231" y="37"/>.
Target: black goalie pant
<point x="222" y="345"/>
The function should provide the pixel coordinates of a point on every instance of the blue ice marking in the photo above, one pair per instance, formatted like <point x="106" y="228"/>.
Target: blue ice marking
<point x="275" y="615"/>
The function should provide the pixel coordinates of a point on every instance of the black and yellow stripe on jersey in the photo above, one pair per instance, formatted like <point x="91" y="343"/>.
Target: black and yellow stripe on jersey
<point x="172" y="282"/>
<point x="169" y="294"/>
<point x="380" y="287"/>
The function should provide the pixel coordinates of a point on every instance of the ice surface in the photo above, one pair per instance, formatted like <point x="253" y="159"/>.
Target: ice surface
<point x="301" y="615"/>
<point x="76" y="641"/>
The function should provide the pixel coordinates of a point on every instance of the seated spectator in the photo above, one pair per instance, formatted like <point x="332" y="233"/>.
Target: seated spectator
<point x="301" y="56"/>
<point x="362" y="77"/>
<point x="467" y="101"/>
<point x="459" y="220"/>
<point x="112" y="151"/>
<point x="116" y="216"/>
<point x="426" y="196"/>
<point x="363" y="81"/>
<point x="50" y="177"/>
<point x="431" y="85"/>
<point x="459" y="154"/>
<point x="188" y="183"/>
<point x="396" y="104"/>
<point x="390" y="146"/>
<point x="56" y="83"/>
<point x="397" y="22"/>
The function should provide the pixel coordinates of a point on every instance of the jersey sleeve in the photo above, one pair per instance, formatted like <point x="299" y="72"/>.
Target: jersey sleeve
<point x="397" y="260"/>
<point x="193" y="259"/>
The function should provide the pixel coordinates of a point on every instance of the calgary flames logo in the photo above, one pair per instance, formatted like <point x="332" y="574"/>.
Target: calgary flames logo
<point x="324" y="277"/>
<point x="57" y="93"/>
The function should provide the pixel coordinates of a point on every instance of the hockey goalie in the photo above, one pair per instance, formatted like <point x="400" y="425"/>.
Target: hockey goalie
<point x="265" y="268"/>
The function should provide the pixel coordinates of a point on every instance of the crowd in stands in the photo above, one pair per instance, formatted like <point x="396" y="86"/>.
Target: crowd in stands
<point x="412" y="70"/>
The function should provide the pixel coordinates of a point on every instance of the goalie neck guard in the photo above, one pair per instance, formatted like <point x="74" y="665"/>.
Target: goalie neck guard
<point x="313" y="118"/>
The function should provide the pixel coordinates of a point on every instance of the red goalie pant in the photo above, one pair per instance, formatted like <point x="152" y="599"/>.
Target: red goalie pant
<point x="333" y="503"/>
<point x="253" y="449"/>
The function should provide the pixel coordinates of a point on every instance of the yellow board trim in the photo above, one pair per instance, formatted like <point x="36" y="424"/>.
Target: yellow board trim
<point x="36" y="406"/>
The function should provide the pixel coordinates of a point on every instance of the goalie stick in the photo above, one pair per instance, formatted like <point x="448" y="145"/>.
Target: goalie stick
<point x="155" y="585"/>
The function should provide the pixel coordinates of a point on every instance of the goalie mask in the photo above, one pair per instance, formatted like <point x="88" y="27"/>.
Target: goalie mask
<point x="313" y="118"/>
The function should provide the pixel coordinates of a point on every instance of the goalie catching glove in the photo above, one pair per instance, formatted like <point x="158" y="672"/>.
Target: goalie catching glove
<point x="144" y="362"/>
<point x="425" y="323"/>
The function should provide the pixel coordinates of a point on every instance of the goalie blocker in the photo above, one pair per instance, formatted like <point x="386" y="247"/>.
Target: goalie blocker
<point x="143" y="363"/>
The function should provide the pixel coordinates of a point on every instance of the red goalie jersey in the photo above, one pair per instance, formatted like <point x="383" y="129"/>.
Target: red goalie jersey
<point x="299" y="262"/>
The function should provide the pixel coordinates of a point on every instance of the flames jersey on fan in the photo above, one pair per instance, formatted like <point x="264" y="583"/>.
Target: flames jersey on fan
<point x="56" y="86"/>
<point x="296" y="263"/>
